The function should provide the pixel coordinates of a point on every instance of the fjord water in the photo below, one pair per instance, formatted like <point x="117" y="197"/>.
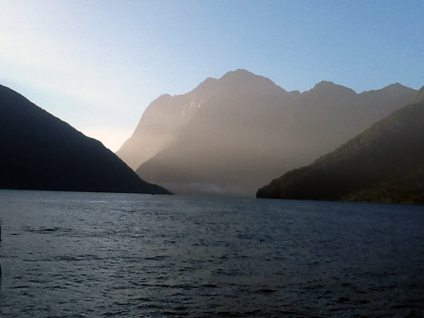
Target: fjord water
<point x="125" y="255"/>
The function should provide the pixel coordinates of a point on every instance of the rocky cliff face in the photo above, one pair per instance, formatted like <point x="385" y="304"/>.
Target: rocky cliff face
<point x="161" y="123"/>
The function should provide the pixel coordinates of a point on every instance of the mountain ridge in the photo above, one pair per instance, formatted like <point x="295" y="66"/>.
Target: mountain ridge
<point x="252" y="128"/>
<point x="42" y="152"/>
<point x="385" y="163"/>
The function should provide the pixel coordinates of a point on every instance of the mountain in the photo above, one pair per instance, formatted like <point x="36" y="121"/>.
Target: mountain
<point x="385" y="163"/>
<point x="231" y="135"/>
<point x="160" y="123"/>
<point x="41" y="152"/>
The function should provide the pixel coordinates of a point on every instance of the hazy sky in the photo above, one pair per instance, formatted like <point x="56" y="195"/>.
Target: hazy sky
<point x="97" y="64"/>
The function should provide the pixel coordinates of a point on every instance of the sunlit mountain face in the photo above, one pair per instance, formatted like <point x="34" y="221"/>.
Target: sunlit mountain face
<point x="232" y="135"/>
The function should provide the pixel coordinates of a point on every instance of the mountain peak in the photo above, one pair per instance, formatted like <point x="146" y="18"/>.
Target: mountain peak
<point x="244" y="77"/>
<point x="324" y="83"/>
<point x="327" y="88"/>
<point x="240" y="75"/>
<point x="239" y="72"/>
<point x="330" y="86"/>
<point x="395" y="87"/>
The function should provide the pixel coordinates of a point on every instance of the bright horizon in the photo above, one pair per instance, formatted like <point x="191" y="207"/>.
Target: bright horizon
<point x="98" y="64"/>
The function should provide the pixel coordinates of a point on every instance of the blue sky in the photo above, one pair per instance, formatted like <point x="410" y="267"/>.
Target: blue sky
<point x="97" y="64"/>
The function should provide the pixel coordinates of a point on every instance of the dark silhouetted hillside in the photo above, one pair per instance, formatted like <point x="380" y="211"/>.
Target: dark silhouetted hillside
<point x="385" y="163"/>
<point x="41" y="152"/>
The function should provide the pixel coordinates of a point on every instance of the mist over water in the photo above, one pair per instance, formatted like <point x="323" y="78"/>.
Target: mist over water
<point x="100" y="255"/>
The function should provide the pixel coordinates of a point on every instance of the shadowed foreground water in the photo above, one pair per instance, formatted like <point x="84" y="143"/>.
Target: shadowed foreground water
<point x="113" y="255"/>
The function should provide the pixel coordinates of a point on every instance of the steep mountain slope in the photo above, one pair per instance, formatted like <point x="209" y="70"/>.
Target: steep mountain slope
<point x="231" y="135"/>
<point x="385" y="163"/>
<point x="228" y="135"/>
<point x="41" y="152"/>
<point x="329" y="114"/>
<point x="161" y="122"/>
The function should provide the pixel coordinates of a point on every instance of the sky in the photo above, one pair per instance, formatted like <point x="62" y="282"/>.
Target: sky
<point x="97" y="64"/>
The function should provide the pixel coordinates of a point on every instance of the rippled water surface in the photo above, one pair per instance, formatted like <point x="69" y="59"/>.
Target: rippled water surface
<point x="119" y="255"/>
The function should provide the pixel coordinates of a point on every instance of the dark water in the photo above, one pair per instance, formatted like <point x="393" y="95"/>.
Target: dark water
<point x="112" y="255"/>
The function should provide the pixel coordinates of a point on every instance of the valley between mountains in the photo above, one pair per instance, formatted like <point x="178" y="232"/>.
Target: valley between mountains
<point x="237" y="136"/>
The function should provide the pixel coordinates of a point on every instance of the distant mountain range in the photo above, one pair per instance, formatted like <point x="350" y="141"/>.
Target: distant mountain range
<point x="41" y="152"/>
<point x="385" y="163"/>
<point x="230" y="136"/>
